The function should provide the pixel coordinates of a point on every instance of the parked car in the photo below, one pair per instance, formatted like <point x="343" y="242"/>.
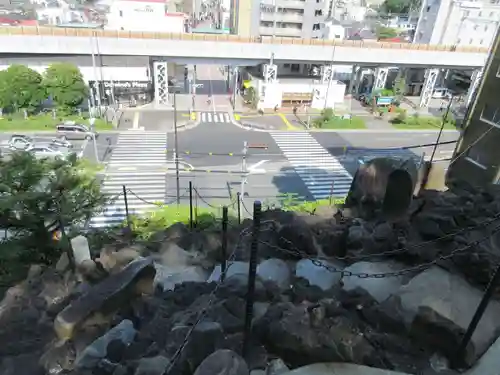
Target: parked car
<point x="72" y="130"/>
<point x="48" y="150"/>
<point x="441" y="93"/>
<point x="20" y="142"/>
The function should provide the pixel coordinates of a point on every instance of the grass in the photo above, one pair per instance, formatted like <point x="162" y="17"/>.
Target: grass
<point x="420" y="122"/>
<point x="44" y="122"/>
<point x="339" y="123"/>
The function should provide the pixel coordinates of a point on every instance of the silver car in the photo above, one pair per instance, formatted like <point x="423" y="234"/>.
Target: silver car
<point x="72" y="130"/>
<point x="20" y="142"/>
<point x="48" y="150"/>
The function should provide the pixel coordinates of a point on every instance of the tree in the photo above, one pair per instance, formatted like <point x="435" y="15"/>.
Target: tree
<point x="399" y="86"/>
<point x="383" y="32"/>
<point x="400" y="6"/>
<point x="21" y="88"/>
<point x="65" y="85"/>
<point x="37" y="196"/>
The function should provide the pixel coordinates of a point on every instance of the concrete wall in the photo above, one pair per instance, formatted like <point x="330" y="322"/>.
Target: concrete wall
<point x="259" y="52"/>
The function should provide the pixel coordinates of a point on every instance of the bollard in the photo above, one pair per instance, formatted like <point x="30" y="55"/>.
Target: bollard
<point x="252" y="271"/>
<point x="129" y="226"/>
<point x="190" y="205"/>
<point x="223" y="264"/>
<point x="238" y="207"/>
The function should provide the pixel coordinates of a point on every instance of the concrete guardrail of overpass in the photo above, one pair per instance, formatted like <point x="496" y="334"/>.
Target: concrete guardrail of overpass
<point x="75" y="32"/>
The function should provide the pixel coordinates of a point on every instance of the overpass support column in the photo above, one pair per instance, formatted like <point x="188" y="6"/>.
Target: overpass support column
<point x="327" y="74"/>
<point x="356" y="74"/>
<point x="160" y="73"/>
<point x="475" y="80"/>
<point x="431" y="76"/>
<point x="380" y="78"/>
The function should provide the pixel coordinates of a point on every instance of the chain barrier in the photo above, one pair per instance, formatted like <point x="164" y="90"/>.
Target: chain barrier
<point x="158" y="204"/>
<point x="319" y="262"/>
<point x="232" y="202"/>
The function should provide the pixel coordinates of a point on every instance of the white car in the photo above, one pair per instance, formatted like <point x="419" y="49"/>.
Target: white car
<point x="48" y="150"/>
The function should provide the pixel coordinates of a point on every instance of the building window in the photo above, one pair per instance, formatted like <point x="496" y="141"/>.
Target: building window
<point x="491" y="115"/>
<point x="481" y="41"/>
<point x="476" y="27"/>
<point x="480" y="14"/>
<point x="476" y="156"/>
<point x="428" y="8"/>
<point x="471" y="41"/>
<point x="492" y="14"/>
<point x="121" y="13"/>
<point x="316" y="26"/>
<point x="318" y="12"/>
<point x="485" y="27"/>
<point x="466" y="13"/>
<point x="295" y="68"/>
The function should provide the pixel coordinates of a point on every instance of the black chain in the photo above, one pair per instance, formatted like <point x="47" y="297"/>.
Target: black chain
<point x="159" y="204"/>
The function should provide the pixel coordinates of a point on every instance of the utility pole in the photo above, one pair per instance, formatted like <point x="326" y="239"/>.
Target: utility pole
<point x="244" y="172"/>
<point x="176" y="154"/>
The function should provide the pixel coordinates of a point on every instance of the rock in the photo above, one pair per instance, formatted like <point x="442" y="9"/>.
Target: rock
<point x="89" y="358"/>
<point x="316" y="274"/>
<point x="378" y="289"/>
<point x="489" y="363"/>
<point x="276" y="271"/>
<point x="258" y="372"/>
<point x="356" y="236"/>
<point x="297" y="237"/>
<point x="340" y="369"/>
<point x="108" y="295"/>
<point x="432" y="225"/>
<point x="233" y="268"/>
<point x="152" y="366"/>
<point x="223" y="362"/>
<point x="81" y="250"/>
<point x="115" y="261"/>
<point x="168" y="277"/>
<point x="383" y="232"/>
<point x="440" y="304"/>
<point x="309" y="333"/>
<point x="22" y="364"/>
<point x="276" y="367"/>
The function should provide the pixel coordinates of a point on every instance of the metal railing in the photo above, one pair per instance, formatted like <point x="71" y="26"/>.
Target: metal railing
<point x="72" y="32"/>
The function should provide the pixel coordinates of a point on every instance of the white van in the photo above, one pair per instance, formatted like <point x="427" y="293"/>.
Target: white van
<point x="441" y="93"/>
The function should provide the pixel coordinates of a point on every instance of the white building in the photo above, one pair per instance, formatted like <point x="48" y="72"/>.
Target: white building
<point x="333" y="30"/>
<point x="148" y="15"/>
<point x="457" y="22"/>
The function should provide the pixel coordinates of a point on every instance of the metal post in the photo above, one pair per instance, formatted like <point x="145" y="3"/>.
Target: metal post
<point x="252" y="271"/>
<point x="481" y="308"/>
<point x="177" y="180"/>
<point x="129" y="226"/>
<point x="190" y="205"/>
<point x="224" y="242"/>
<point x="238" y="207"/>
<point x="443" y="123"/>
<point x="331" y="193"/>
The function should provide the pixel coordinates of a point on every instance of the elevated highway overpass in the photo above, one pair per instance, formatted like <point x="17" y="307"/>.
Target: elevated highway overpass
<point x="234" y="50"/>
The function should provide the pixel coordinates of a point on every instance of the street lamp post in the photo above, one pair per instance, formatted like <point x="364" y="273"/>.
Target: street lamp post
<point x="176" y="154"/>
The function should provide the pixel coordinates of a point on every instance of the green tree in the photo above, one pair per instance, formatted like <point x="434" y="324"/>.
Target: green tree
<point x="400" y="86"/>
<point x="21" y="88"/>
<point x="400" y="6"/>
<point x="38" y="195"/>
<point x="65" y="85"/>
<point x="383" y="32"/>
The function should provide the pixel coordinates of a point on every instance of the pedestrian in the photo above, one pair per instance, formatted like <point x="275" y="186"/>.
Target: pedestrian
<point x="276" y="108"/>
<point x="295" y="110"/>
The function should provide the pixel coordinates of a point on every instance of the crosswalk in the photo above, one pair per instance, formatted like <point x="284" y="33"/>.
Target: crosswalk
<point x="137" y="162"/>
<point x="321" y="172"/>
<point x="215" y="117"/>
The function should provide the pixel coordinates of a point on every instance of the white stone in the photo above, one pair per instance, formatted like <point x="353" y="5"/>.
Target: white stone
<point x="453" y="298"/>
<point x="340" y="369"/>
<point x="233" y="268"/>
<point x="81" y="250"/>
<point x="168" y="277"/>
<point x="489" y="363"/>
<point x="275" y="270"/>
<point x="317" y="275"/>
<point x="378" y="289"/>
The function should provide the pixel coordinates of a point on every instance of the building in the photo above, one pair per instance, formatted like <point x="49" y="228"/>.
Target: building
<point x="477" y="153"/>
<point x="333" y="30"/>
<point x="144" y="15"/>
<point x="281" y="18"/>
<point x="456" y="22"/>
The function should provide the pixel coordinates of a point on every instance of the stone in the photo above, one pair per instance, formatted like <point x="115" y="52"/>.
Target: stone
<point x="276" y="367"/>
<point x="489" y="363"/>
<point x="168" y="277"/>
<point x="275" y="271"/>
<point x="115" y="261"/>
<point x="107" y="295"/>
<point x="356" y="236"/>
<point x="22" y="364"/>
<point x="96" y="351"/>
<point x="223" y="362"/>
<point x="152" y="366"/>
<point x="81" y="250"/>
<point x="378" y="288"/>
<point x="383" y="232"/>
<point x="233" y="268"/>
<point x="313" y="332"/>
<point x="340" y="369"/>
<point x="440" y="299"/>
<point x="297" y="236"/>
<point x="316" y="274"/>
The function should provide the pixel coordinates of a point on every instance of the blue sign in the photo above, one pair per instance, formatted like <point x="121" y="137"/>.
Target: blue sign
<point x="384" y="100"/>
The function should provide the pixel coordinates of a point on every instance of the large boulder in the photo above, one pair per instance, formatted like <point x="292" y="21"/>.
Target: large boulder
<point x="318" y="273"/>
<point x="223" y="362"/>
<point x="438" y="306"/>
<point x="107" y="296"/>
<point x="340" y="369"/>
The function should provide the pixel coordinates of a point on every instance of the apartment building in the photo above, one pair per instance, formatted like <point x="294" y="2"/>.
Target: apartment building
<point x="478" y="153"/>
<point x="458" y="22"/>
<point x="281" y="18"/>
